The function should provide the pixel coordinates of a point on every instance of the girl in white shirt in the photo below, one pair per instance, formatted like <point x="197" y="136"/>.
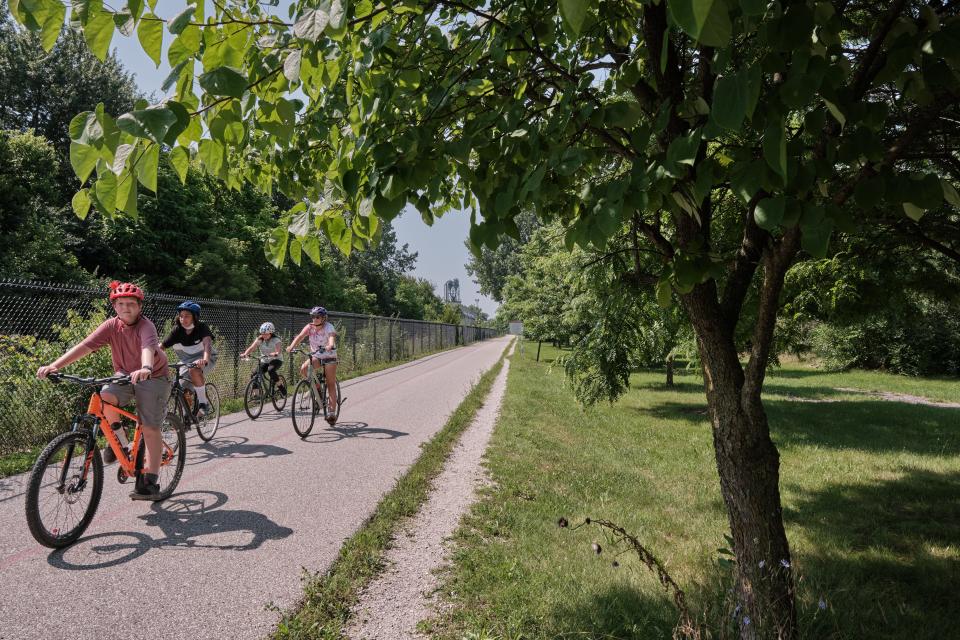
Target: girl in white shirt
<point x="323" y="351"/>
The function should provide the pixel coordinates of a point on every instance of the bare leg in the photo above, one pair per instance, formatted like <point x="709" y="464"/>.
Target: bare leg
<point x="113" y="416"/>
<point x="153" y="441"/>
<point x="330" y="373"/>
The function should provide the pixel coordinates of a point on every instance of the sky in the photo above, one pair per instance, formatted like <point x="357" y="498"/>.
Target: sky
<point x="440" y="248"/>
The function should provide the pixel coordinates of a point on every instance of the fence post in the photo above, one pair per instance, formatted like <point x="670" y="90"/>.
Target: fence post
<point x="236" y="351"/>
<point x="354" y="341"/>
<point x="374" y="339"/>
<point x="390" y="340"/>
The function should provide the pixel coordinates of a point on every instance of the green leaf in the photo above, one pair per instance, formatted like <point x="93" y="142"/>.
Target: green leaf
<point x="836" y="113"/>
<point x="121" y="156"/>
<point x="913" y="211"/>
<point x="180" y="160"/>
<point x="105" y="189"/>
<point x="49" y="14"/>
<point x="83" y="159"/>
<point x="81" y="203"/>
<point x="625" y="114"/>
<point x="573" y="13"/>
<point x="311" y="23"/>
<point x="151" y="123"/>
<point x="683" y="149"/>
<point x="775" y="147"/>
<point x="295" y="251"/>
<point x="753" y="7"/>
<point x="224" y="81"/>
<point x="127" y="194"/>
<point x="730" y="101"/>
<point x="409" y="79"/>
<point x="338" y="13"/>
<point x="125" y="23"/>
<point x="150" y="35"/>
<point x="97" y="32"/>
<point x="950" y="193"/>
<point x="180" y="21"/>
<point x="769" y="212"/>
<point x="213" y="157"/>
<point x="311" y="247"/>
<point x="664" y="293"/>
<point x="275" y="248"/>
<point x="815" y="239"/>
<point x="291" y="66"/>
<point x="85" y="128"/>
<point x="147" y="165"/>
<point x="707" y="21"/>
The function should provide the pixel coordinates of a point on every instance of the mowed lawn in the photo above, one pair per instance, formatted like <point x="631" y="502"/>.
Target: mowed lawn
<point x="871" y="493"/>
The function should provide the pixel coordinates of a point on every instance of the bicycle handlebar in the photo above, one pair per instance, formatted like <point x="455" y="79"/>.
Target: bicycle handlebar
<point x="183" y="365"/>
<point x="89" y="382"/>
<point x="311" y="353"/>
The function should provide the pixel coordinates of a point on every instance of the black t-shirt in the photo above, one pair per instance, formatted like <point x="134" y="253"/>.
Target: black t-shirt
<point x="189" y="344"/>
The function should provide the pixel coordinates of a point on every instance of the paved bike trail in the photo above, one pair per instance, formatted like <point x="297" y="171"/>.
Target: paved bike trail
<point x="255" y="506"/>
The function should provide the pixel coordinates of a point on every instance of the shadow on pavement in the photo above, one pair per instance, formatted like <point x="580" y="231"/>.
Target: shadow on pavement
<point x="343" y="430"/>
<point x="190" y="520"/>
<point x="232" y="447"/>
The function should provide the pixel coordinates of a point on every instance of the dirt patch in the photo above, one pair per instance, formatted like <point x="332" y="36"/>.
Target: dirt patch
<point x="901" y="397"/>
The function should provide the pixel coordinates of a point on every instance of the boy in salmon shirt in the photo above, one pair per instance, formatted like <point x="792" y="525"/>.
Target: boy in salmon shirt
<point x="136" y="351"/>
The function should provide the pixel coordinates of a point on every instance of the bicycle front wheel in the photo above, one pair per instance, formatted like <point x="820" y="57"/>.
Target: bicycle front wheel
<point x="304" y="410"/>
<point x="209" y="422"/>
<point x="64" y="489"/>
<point x="279" y="398"/>
<point x="253" y="398"/>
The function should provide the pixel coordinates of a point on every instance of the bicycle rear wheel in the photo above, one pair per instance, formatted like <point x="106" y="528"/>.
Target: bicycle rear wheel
<point x="332" y="418"/>
<point x="64" y="489"/>
<point x="304" y="411"/>
<point x="253" y="398"/>
<point x="279" y="398"/>
<point x="209" y="422"/>
<point x="174" y="455"/>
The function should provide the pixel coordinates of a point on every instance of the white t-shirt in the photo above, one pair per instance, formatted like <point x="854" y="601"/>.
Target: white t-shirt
<point x="319" y="336"/>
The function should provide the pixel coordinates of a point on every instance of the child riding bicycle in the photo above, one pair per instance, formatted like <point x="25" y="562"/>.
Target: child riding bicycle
<point x="271" y="350"/>
<point x="192" y="341"/>
<point x="135" y="350"/>
<point x="323" y="348"/>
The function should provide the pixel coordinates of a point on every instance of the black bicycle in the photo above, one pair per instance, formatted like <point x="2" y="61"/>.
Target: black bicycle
<point x="183" y="402"/>
<point x="311" y="395"/>
<point x="262" y="387"/>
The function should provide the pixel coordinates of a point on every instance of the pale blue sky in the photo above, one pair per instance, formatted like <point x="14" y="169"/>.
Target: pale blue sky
<point x="441" y="249"/>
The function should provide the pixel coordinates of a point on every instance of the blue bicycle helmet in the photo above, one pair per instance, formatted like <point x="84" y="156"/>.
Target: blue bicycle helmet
<point x="192" y="307"/>
<point x="318" y="311"/>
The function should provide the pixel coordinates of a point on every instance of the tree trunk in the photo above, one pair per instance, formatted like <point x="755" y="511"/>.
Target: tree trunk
<point x="747" y="460"/>
<point x="670" y="370"/>
<point x="539" y="344"/>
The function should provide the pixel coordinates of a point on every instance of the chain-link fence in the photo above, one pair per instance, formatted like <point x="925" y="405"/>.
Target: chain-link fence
<point x="38" y="322"/>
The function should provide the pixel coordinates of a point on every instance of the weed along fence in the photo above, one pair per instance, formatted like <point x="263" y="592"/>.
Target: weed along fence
<point x="40" y="321"/>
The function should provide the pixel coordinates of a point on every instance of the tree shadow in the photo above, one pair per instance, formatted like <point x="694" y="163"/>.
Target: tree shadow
<point x="678" y="386"/>
<point x="619" y="611"/>
<point x="691" y="412"/>
<point x="890" y="562"/>
<point x="347" y="430"/>
<point x="192" y="519"/>
<point x="865" y="425"/>
<point x="232" y="447"/>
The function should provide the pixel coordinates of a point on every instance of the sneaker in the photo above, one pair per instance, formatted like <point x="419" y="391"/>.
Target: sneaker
<point x="146" y="488"/>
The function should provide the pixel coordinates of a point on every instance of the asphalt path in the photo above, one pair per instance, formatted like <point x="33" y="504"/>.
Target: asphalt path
<point x="255" y="507"/>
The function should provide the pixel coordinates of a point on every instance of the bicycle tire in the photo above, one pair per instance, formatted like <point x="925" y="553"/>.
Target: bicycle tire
<point x="303" y="413"/>
<point x="253" y="405"/>
<point x="208" y="424"/>
<point x="55" y="538"/>
<point x="174" y="455"/>
<point x="278" y="399"/>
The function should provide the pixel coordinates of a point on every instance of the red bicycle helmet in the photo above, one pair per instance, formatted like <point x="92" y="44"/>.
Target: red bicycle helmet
<point x="125" y="290"/>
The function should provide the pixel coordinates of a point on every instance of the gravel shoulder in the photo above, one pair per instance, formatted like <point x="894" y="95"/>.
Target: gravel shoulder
<point x="393" y="604"/>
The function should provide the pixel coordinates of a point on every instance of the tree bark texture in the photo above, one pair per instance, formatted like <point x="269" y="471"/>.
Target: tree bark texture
<point x="747" y="460"/>
<point x="670" y="370"/>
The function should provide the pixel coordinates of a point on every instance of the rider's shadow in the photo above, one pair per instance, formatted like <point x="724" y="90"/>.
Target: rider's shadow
<point x="190" y="520"/>
<point x="232" y="447"/>
<point x="348" y="430"/>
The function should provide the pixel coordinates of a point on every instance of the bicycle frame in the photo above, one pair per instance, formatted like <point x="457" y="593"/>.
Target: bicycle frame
<point x="95" y="413"/>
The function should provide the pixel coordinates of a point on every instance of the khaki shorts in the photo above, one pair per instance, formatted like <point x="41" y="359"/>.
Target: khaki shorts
<point x="151" y="398"/>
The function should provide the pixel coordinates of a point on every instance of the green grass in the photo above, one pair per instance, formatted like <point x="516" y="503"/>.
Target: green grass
<point x="870" y="491"/>
<point x="328" y="597"/>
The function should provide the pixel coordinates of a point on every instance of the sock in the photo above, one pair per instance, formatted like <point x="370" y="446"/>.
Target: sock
<point x="121" y="434"/>
<point x="201" y="394"/>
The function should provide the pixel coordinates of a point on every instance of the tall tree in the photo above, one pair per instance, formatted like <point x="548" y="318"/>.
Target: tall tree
<point x="729" y="136"/>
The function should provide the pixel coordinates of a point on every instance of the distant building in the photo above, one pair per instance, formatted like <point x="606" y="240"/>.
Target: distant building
<point x="516" y="328"/>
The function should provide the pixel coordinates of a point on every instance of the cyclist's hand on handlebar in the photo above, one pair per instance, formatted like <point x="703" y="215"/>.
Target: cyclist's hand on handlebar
<point x="140" y="374"/>
<point x="44" y="371"/>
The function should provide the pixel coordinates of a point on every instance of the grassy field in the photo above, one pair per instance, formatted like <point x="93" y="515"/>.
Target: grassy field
<point x="870" y="491"/>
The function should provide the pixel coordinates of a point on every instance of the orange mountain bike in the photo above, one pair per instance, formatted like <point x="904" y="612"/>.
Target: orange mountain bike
<point x="65" y="484"/>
